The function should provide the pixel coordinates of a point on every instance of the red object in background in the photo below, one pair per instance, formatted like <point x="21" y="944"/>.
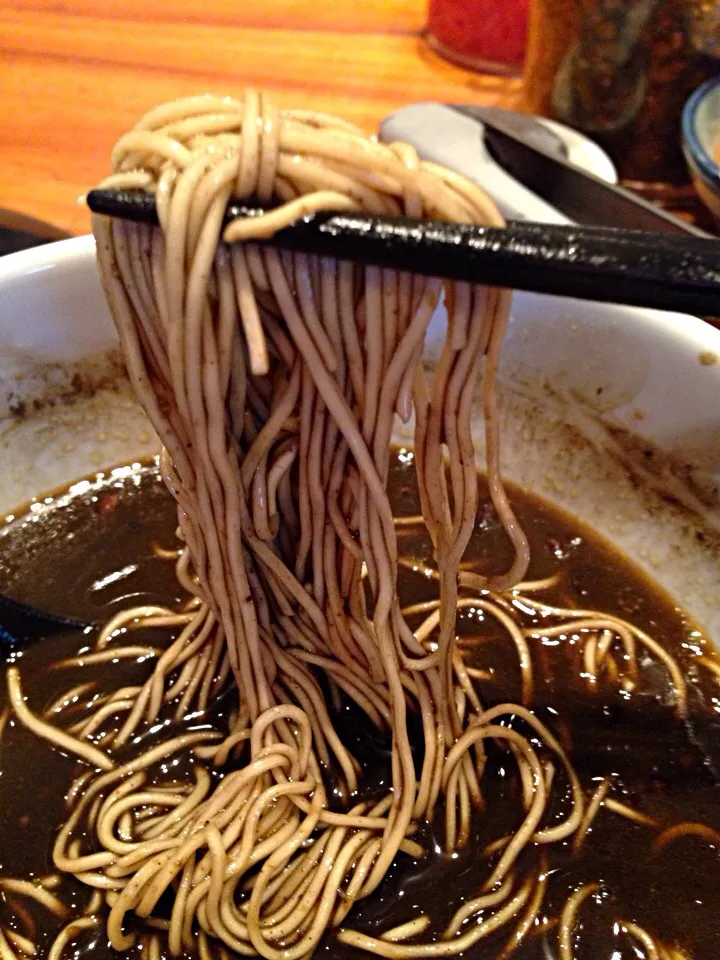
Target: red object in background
<point x="487" y="35"/>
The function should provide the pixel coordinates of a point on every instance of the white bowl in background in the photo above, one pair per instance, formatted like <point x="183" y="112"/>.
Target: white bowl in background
<point x="443" y="135"/>
<point x="610" y="412"/>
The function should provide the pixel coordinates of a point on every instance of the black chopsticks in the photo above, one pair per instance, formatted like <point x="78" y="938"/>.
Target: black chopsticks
<point x="664" y="271"/>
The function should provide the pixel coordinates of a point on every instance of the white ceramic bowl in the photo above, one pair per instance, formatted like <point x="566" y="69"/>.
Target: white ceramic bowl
<point x="610" y="412"/>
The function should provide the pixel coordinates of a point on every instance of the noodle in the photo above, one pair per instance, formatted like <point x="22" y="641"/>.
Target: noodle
<point x="90" y="754"/>
<point x="273" y="380"/>
<point x="591" y="811"/>
<point x="231" y="550"/>
<point x="68" y="933"/>
<point x="625" y="811"/>
<point x="701" y="830"/>
<point x="407" y="930"/>
<point x="568" y="918"/>
<point x="36" y="892"/>
<point x="22" y="943"/>
<point x="644" y="938"/>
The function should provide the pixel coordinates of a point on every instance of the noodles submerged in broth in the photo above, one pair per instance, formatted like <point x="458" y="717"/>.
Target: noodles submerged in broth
<point x="273" y="380"/>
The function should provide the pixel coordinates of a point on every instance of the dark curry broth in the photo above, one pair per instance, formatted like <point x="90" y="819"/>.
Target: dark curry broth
<point x="88" y="554"/>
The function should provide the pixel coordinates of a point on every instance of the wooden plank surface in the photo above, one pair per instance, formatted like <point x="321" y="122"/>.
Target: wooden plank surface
<point x="75" y="73"/>
<point x="356" y="16"/>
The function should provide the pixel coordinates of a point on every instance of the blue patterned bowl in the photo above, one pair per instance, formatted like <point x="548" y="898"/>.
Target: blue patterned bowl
<point x="701" y="142"/>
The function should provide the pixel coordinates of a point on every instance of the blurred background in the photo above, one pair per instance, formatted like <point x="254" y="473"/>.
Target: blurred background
<point x="75" y="73"/>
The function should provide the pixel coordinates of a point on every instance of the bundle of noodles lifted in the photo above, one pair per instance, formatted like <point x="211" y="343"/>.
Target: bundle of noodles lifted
<point x="273" y="380"/>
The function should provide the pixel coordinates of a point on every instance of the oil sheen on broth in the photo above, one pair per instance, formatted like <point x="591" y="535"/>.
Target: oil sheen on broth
<point x="91" y="553"/>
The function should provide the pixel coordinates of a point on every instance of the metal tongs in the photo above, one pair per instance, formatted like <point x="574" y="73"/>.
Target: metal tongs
<point x="612" y="265"/>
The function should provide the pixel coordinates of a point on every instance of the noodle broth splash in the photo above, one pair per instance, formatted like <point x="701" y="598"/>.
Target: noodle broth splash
<point x="273" y="381"/>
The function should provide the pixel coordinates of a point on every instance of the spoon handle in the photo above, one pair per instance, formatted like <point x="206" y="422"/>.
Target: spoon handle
<point x="21" y="623"/>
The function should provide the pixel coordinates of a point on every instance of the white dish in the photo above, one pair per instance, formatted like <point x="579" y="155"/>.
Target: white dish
<point x="607" y="411"/>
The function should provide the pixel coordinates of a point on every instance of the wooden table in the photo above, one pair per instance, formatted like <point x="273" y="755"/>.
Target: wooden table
<point x="74" y="74"/>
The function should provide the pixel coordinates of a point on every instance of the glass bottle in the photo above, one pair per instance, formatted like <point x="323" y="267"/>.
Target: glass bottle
<point x="620" y="71"/>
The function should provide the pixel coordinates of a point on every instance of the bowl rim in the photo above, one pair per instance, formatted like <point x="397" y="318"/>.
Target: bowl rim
<point x="46" y="256"/>
<point x="77" y="253"/>
<point x="695" y="152"/>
